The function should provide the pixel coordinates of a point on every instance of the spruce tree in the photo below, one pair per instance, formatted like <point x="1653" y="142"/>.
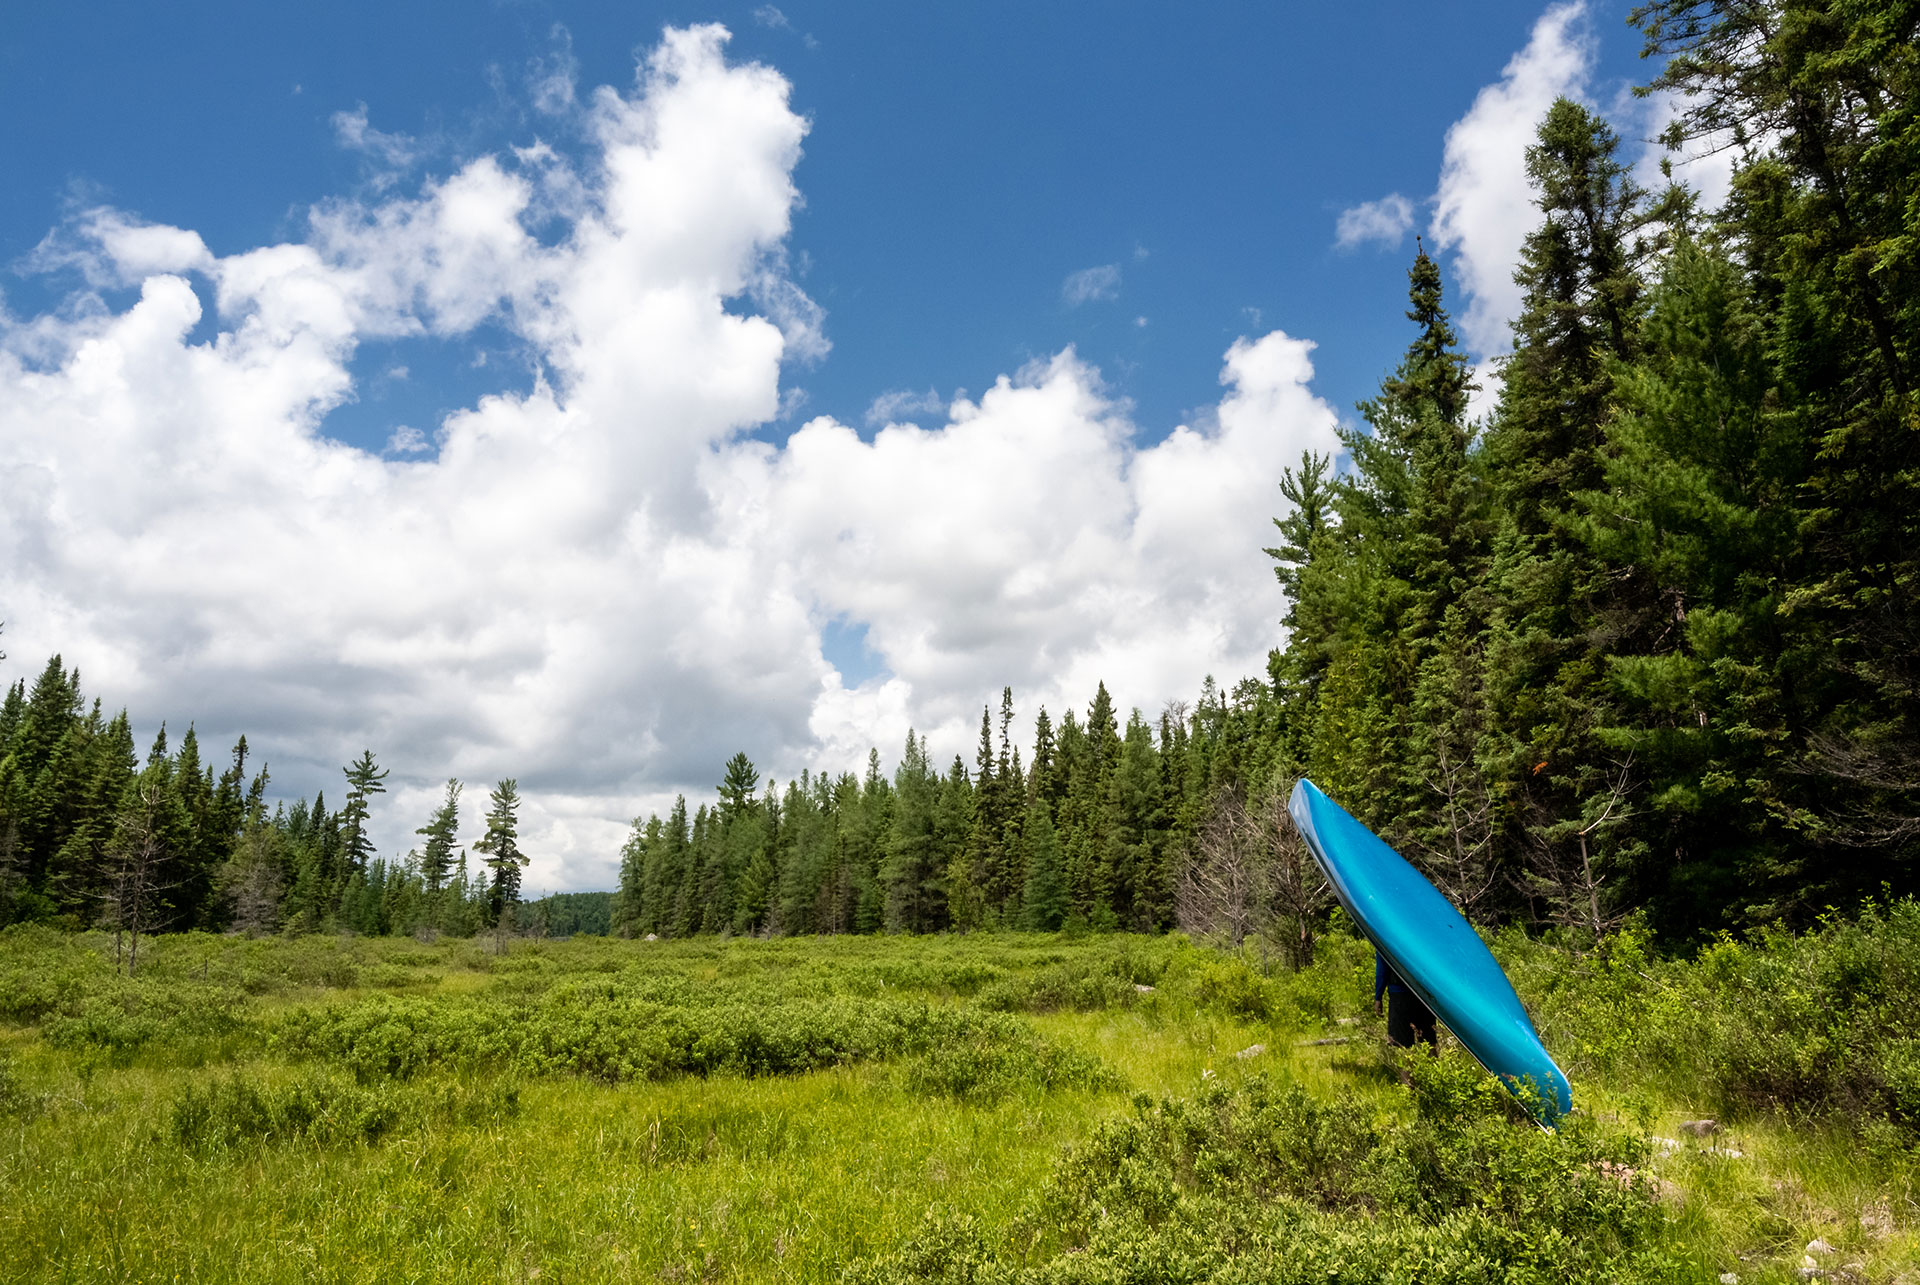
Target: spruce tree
<point x="501" y="844"/>
<point x="1557" y="608"/>
<point x="364" y="780"/>
<point x="1044" y="898"/>
<point x="910" y="874"/>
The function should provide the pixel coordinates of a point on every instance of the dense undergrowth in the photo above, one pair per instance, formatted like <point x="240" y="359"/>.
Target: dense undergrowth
<point x="983" y="1108"/>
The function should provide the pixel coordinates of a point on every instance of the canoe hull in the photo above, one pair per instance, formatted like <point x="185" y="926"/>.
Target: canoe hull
<point x="1433" y="948"/>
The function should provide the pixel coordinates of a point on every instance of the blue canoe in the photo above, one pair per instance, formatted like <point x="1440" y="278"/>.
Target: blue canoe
<point x="1432" y="947"/>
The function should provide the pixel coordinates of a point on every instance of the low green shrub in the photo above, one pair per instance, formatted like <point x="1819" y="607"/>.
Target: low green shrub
<point x="1080" y="986"/>
<point x="122" y="1015"/>
<point x="1819" y="1025"/>
<point x="44" y="972"/>
<point x="999" y="1059"/>
<point x="602" y="1032"/>
<point x="16" y="1101"/>
<point x="238" y="1110"/>
<point x="1260" y="1181"/>
<point x="1231" y="987"/>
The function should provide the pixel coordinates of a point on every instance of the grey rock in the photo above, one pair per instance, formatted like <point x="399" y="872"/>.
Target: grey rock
<point x="1700" y="1128"/>
<point x="1252" y="1050"/>
<point x="1143" y="988"/>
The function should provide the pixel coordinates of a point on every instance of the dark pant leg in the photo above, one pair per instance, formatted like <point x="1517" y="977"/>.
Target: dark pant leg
<point x="1410" y="1020"/>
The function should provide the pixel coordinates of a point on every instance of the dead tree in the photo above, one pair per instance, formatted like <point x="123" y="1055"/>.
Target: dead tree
<point x="1565" y="873"/>
<point x="1252" y="876"/>
<point x="1297" y="891"/>
<point x="253" y="883"/>
<point x="1456" y="846"/>
<point x="138" y="853"/>
<point x="1221" y="891"/>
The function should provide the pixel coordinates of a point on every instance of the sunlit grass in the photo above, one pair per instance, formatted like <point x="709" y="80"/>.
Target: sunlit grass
<point x="777" y="1178"/>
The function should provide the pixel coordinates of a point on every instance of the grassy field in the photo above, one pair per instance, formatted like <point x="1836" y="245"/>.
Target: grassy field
<point x="977" y="1108"/>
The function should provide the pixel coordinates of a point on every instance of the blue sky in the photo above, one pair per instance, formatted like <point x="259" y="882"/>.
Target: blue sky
<point x="962" y="162"/>
<point x="584" y="395"/>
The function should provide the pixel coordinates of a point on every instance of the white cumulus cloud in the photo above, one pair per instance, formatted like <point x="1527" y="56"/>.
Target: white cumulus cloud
<point x="1484" y="206"/>
<point x="599" y="583"/>
<point x="1385" y="222"/>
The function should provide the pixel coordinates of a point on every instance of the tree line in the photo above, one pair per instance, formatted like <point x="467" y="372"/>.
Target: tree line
<point x="90" y="834"/>
<point x="1090" y="827"/>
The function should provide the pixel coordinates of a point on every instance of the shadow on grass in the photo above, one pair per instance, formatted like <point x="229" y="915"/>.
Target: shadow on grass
<point x="1365" y="1067"/>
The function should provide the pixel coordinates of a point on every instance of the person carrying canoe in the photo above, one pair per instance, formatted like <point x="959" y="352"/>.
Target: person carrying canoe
<point x="1408" y="1017"/>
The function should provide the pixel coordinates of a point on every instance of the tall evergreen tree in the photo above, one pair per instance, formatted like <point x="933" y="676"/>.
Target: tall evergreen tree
<point x="501" y="844"/>
<point x="442" y="834"/>
<point x="364" y="780"/>
<point x="1044" y="899"/>
<point x="1823" y="96"/>
<point x="1558" y="610"/>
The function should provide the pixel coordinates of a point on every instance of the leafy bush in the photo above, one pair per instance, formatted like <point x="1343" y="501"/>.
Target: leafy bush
<point x="999" y="1059"/>
<point x="601" y="1031"/>
<point x="1820" y="1024"/>
<point x="1263" y="1182"/>
<point x="235" y="1111"/>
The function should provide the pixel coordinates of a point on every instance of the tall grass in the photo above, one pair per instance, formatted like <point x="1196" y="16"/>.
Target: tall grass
<point x="1009" y="1107"/>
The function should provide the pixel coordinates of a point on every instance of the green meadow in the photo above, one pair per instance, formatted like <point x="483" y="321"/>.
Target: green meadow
<point x="962" y="1108"/>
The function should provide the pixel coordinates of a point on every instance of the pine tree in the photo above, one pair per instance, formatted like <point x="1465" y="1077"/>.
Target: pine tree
<point x="952" y="826"/>
<point x="441" y="832"/>
<point x="910" y="876"/>
<point x="738" y="785"/>
<point x="1138" y="886"/>
<point x="363" y="782"/>
<point x="1822" y="100"/>
<point x="636" y="905"/>
<point x="501" y="844"/>
<point x="1699" y="510"/>
<point x="1558" y="611"/>
<point x="1044" y="899"/>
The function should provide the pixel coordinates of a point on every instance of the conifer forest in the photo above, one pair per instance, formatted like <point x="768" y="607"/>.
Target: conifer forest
<point x="1628" y="665"/>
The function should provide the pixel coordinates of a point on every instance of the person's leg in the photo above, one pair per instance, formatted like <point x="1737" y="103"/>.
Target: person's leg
<point x="1410" y="1022"/>
<point x="1426" y="1028"/>
<point x="1400" y="1031"/>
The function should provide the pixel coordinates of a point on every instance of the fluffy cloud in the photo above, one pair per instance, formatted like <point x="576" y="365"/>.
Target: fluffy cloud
<point x="597" y="583"/>
<point x="1385" y="221"/>
<point x="1484" y="207"/>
